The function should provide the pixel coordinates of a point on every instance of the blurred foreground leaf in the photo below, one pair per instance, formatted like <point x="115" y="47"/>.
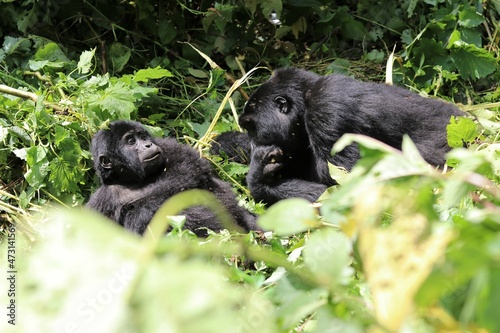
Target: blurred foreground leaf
<point x="78" y="279"/>
<point x="397" y="260"/>
<point x="289" y="216"/>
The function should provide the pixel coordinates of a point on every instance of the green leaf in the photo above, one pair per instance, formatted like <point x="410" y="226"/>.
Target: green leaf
<point x="251" y="5"/>
<point x="201" y="74"/>
<point x="354" y="30"/>
<point x="289" y="217"/>
<point x="36" y="65"/>
<point x="60" y="134"/>
<point x="473" y="62"/>
<point x="282" y="31"/>
<point x="62" y="172"/>
<point x="489" y="298"/>
<point x="411" y="7"/>
<point x="328" y="255"/>
<point x="454" y="37"/>
<point x="120" y="55"/>
<point x="117" y="291"/>
<point x="299" y="26"/>
<point x="469" y="18"/>
<point x="51" y="52"/>
<point x="295" y="303"/>
<point x="118" y="100"/>
<point x="339" y="66"/>
<point x="12" y="45"/>
<point x="144" y="75"/>
<point x="166" y="31"/>
<point x="26" y="19"/>
<point x="36" y="157"/>
<point x="269" y="6"/>
<point x="461" y="130"/>
<point x="85" y="62"/>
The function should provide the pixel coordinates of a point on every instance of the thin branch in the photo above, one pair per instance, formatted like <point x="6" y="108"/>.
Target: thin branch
<point x="28" y="95"/>
<point x="18" y="93"/>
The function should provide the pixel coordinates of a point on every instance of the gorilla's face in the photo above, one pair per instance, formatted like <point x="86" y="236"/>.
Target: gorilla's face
<point x="274" y="113"/>
<point x="126" y="154"/>
<point x="140" y="146"/>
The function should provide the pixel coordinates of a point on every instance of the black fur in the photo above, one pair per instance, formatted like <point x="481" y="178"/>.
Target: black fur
<point x="270" y="177"/>
<point x="233" y="145"/>
<point x="304" y="114"/>
<point x="139" y="172"/>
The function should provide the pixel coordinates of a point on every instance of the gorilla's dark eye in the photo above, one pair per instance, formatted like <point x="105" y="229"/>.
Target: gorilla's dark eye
<point x="282" y="104"/>
<point x="130" y="140"/>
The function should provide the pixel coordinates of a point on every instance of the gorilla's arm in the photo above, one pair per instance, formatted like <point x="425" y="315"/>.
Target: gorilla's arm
<point x="234" y="145"/>
<point x="109" y="199"/>
<point x="265" y="183"/>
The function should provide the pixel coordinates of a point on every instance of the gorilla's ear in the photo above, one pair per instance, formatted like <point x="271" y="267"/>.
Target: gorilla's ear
<point x="105" y="162"/>
<point x="282" y="104"/>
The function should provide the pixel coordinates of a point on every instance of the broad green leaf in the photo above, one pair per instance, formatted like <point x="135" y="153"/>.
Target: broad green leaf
<point x="492" y="154"/>
<point x="454" y="37"/>
<point x="296" y="304"/>
<point x="200" y="129"/>
<point x="36" y="157"/>
<point x="60" y="134"/>
<point x="269" y="6"/>
<point x="120" y="55"/>
<point x="36" y="65"/>
<point x="411" y="152"/>
<point x="328" y="255"/>
<point x="85" y="62"/>
<point x="63" y="172"/>
<point x="118" y="100"/>
<point x="364" y="140"/>
<point x="472" y="36"/>
<point x="396" y="260"/>
<point x="144" y="75"/>
<point x="220" y="44"/>
<point x="290" y="216"/>
<point x="489" y="299"/>
<point x="251" y="5"/>
<point x="354" y="30"/>
<point x="411" y="7"/>
<point x="299" y="26"/>
<point x="11" y="45"/>
<point x="51" y="52"/>
<point x="469" y="18"/>
<point x="461" y="130"/>
<point x="198" y="73"/>
<point x="26" y="19"/>
<point x="328" y="323"/>
<point x="282" y="31"/>
<point x="473" y="62"/>
<point x="118" y="290"/>
<point x="166" y="31"/>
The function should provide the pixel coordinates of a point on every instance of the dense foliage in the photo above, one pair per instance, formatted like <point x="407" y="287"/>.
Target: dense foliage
<point x="398" y="246"/>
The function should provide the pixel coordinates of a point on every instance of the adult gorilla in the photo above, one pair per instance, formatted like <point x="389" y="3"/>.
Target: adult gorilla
<point x="139" y="172"/>
<point x="303" y="114"/>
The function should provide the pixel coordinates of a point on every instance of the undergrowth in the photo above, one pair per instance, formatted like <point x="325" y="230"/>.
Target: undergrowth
<point x="397" y="247"/>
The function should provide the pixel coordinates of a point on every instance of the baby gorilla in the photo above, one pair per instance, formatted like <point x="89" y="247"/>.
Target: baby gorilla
<point x="270" y="177"/>
<point x="304" y="114"/>
<point x="235" y="146"/>
<point x="139" y="172"/>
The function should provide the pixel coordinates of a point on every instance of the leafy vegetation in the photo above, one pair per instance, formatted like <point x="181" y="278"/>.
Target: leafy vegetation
<point x="399" y="246"/>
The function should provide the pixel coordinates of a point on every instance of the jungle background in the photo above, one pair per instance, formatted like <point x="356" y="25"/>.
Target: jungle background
<point x="397" y="247"/>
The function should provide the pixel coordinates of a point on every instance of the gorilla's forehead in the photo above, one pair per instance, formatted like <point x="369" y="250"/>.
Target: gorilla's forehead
<point x="266" y="92"/>
<point x="120" y="129"/>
